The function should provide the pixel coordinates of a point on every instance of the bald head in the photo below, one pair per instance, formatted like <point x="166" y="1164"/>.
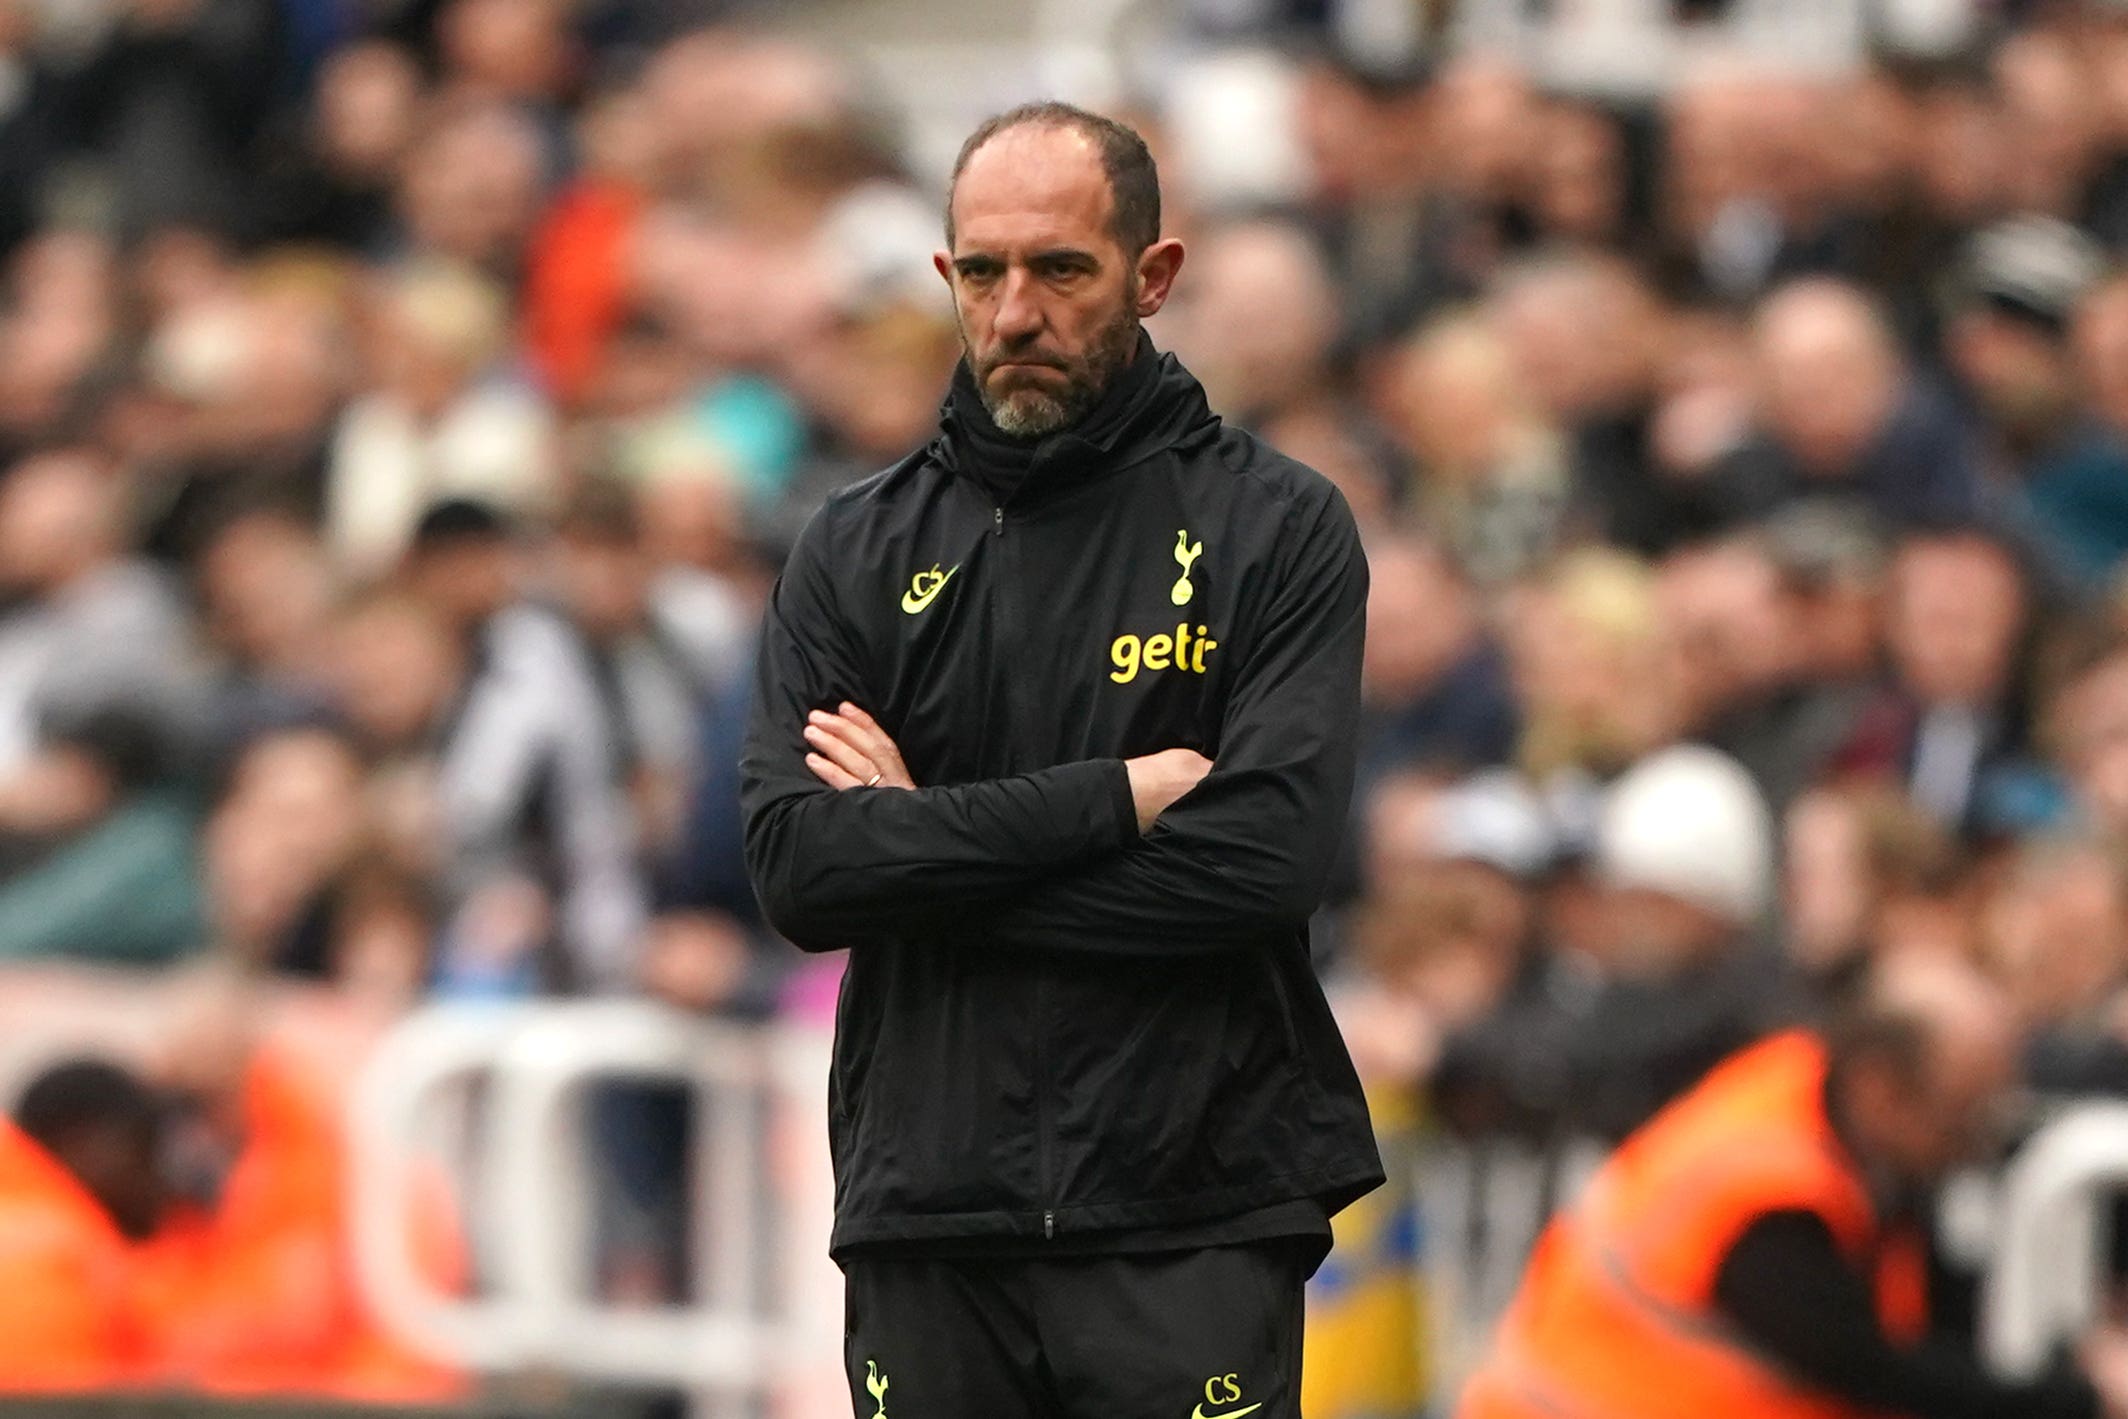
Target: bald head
<point x="1922" y="1064"/>
<point x="1830" y="372"/>
<point x="1126" y="163"/>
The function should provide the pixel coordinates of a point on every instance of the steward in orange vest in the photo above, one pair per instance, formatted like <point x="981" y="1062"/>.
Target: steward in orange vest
<point x="1750" y="1253"/>
<point x="78" y="1187"/>
<point x="254" y="1292"/>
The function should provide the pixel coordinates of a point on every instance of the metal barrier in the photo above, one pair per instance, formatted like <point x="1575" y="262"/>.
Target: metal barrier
<point x="764" y="1307"/>
<point x="2046" y="1273"/>
<point x="517" y="1074"/>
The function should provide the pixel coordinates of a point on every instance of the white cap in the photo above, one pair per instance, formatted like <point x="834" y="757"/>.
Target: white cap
<point x="1688" y="822"/>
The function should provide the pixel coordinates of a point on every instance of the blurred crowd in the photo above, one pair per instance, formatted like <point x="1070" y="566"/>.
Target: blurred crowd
<point x="404" y="407"/>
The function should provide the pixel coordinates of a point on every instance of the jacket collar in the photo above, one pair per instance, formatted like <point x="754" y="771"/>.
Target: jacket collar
<point x="1155" y="405"/>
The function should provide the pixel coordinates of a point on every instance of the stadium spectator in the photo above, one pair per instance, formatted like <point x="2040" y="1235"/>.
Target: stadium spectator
<point x="1260" y="320"/>
<point x="439" y="419"/>
<point x="1740" y="647"/>
<point x="1684" y="855"/>
<point x="1951" y="727"/>
<point x="1392" y="242"/>
<point x="1832" y="567"/>
<point x="579" y="277"/>
<point x="91" y="630"/>
<point x="331" y="181"/>
<point x="2088" y="728"/>
<point x="61" y="327"/>
<point x="1843" y="415"/>
<point x="2057" y="932"/>
<point x="1597" y="685"/>
<point x="170" y="98"/>
<point x="279" y="845"/>
<point x="1464" y="1002"/>
<point x="1490" y="474"/>
<point x="470" y="188"/>
<point x="536" y="847"/>
<point x="242" y="381"/>
<point x="663" y="643"/>
<point x="249" y="1277"/>
<point x="1771" y="1214"/>
<point x="1867" y="874"/>
<point x="1436" y="689"/>
<point x="265" y="589"/>
<point x="1579" y="193"/>
<point x="79" y="1190"/>
<point x="2057" y="470"/>
<point x="1586" y="337"/>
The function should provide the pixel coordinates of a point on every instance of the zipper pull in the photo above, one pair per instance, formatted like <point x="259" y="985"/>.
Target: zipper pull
<point x="1049" y="1226"/>
<point x="997" y="521"/>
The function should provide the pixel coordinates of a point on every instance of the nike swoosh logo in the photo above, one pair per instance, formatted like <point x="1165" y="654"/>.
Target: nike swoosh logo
<point x="1198" y="1413"/>
<point x="912" y="601"/>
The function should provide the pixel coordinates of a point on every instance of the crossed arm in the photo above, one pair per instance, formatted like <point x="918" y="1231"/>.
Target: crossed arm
<point x="850" y="750"/>
<point x="1160" y="854"/>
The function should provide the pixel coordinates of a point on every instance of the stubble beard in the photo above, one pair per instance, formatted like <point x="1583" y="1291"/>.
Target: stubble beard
<point x="1032" y="412"/>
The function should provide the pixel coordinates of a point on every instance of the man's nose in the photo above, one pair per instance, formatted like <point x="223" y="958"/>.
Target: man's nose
<point x="1019" y="312"/>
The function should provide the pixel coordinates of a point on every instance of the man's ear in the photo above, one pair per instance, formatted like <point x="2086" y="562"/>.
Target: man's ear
<point x="942" y="261"/>
<point x="1157" y="268"/>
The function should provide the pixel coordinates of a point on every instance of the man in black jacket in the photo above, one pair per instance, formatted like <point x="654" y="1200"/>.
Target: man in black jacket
<point x="1054" y="731"/>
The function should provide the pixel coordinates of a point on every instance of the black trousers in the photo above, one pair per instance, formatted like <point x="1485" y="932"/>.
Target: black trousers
<point x="1211" y="1334"/>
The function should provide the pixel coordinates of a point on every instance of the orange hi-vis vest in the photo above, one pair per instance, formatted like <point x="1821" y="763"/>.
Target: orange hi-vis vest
<point x="258" y="1296"/>
<point x="1616" y="1318"/>
<point x="69" y="1315"/>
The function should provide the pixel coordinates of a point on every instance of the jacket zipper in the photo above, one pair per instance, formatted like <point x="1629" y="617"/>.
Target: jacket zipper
<point x="1041" y="981"/>
<point x="1041" y="1100"/>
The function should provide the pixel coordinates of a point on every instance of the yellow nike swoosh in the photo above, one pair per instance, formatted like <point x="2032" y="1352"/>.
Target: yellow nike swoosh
<point x="1198" y="1412"/>
<point x="913" y="603"/>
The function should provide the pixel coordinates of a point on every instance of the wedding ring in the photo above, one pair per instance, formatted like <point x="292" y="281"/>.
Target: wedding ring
<point x="873" y="781"/>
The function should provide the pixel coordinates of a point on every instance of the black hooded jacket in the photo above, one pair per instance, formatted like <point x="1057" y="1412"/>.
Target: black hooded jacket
<point x="1052" y="1026"/>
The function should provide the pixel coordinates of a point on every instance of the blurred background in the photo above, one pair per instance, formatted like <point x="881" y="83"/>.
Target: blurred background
<point x="404" y="409"/>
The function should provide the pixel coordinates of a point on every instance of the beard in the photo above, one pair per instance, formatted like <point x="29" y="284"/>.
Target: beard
<point x="1033" y="411"/>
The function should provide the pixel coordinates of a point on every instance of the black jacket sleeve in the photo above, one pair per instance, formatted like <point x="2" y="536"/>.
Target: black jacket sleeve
<point x="1246" y="854"/>
<point x="834" y="869"/>
<point x="1786" y="1287"/>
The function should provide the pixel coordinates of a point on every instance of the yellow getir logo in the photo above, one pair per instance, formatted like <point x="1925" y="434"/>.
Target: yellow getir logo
<point x="924" y="588"/>
<point x="1180" y="651"/>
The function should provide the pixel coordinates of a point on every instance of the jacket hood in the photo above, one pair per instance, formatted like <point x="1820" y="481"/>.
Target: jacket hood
<point x="1155" y="406"/>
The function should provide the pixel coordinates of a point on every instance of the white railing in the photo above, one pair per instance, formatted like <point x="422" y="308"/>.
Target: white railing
<point x="515" y="1075"/>
<point x="765" y="1305"/>
<point x="2045" y="1278"/>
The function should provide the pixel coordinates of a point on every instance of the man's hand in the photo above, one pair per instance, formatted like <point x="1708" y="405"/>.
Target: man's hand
<point x="850" y="750"/>
<point x="1157" y="780"/>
